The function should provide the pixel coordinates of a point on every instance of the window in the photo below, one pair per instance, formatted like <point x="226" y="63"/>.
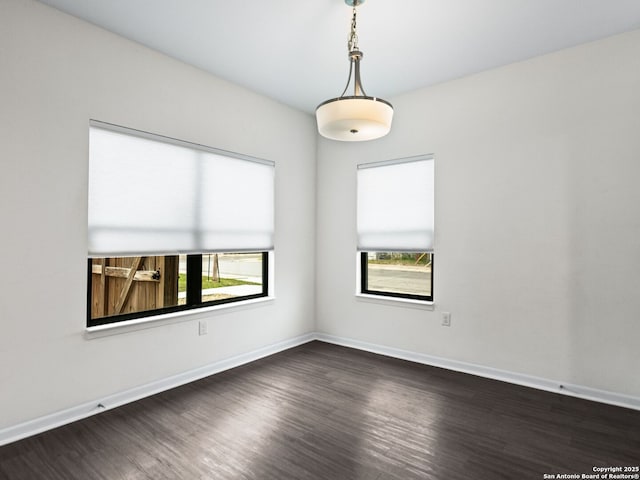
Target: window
<point x="173" y="225"/>
<point x="123" y="288"/>
<point x="395" y="225"/>
<point x="397" y="274"/>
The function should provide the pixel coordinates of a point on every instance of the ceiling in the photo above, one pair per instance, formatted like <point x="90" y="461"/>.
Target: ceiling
<point x="295" y="50"/>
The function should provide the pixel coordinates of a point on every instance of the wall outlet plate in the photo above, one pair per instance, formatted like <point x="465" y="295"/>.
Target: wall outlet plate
<point x="446" y="319"/>
<point x="202" y="327"/>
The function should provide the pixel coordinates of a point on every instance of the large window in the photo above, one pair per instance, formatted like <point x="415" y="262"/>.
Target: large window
<point x="173" y="225"/>
<point x="124" y="288"/>
<point x="395" y="224"/>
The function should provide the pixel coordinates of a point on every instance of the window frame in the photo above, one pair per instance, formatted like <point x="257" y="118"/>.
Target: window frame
<point x="364" y="280"/>
<point x="194" y="293"/>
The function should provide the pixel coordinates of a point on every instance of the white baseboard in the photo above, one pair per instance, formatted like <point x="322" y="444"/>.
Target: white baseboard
<point x="63" y="417"/>
<point x="554" y="386"/>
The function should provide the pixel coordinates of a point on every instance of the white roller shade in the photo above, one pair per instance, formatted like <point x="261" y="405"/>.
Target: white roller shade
<point x="395" y="206"/>
<point x="152" y="195"/>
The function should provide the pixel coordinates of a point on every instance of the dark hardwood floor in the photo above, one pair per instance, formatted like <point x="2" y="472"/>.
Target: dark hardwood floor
<point x="320" y="411"/>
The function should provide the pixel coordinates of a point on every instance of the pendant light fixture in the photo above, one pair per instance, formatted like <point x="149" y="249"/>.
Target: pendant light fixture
<point x="354" y="117"/>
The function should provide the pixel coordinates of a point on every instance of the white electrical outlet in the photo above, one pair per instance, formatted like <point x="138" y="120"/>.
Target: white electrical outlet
<point x="202" y="327"/>
<point x="446" y="319"/>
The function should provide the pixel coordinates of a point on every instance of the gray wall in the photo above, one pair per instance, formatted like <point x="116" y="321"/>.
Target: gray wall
<point x="57" y="72"/>
<point x="537" y="219"/>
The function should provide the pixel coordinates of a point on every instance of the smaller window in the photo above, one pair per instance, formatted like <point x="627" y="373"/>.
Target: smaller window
<point x="397" y="274"/>
<point x="395" y="227"/>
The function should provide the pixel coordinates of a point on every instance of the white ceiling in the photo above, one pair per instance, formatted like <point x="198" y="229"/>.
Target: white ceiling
<point x="295" y="50"/>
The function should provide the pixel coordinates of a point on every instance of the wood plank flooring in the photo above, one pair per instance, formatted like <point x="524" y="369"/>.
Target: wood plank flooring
<point x="320" y="411"/>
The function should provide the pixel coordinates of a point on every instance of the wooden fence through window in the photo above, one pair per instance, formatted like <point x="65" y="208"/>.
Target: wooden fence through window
<point x="133" y="284"/>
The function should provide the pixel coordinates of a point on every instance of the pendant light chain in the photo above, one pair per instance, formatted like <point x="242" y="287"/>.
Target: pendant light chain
<point x="355" y="55"/>
<point x="353" y="36"/>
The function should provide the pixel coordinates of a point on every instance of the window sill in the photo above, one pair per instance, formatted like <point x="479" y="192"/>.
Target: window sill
<point x="395" y="301"/>
<point x="170" y="318"/>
